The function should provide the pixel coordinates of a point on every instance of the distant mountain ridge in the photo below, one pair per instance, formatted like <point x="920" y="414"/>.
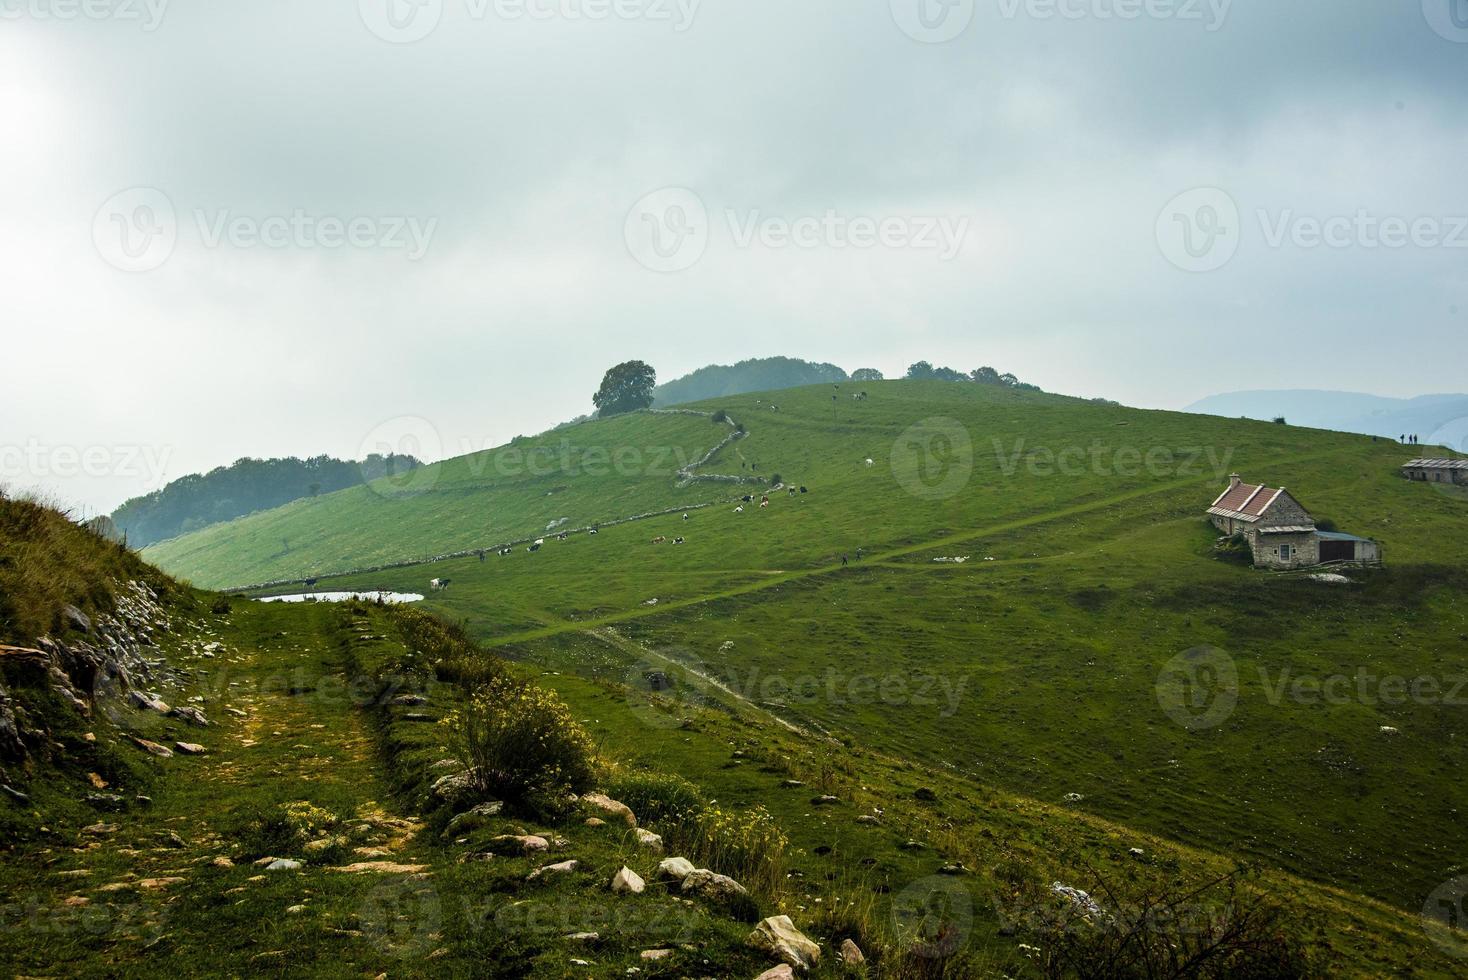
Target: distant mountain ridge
<point x="1438" y="420"/>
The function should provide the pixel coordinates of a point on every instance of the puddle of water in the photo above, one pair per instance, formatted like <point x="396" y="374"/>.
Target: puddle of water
<point x="391" y="598"/>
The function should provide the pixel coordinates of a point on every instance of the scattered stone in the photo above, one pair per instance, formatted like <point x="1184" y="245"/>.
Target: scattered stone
<point x="781" y="972"/>
<point x="15" y="794"/>
<point x="295" y="910"/>
<point x="236" y="712"/>
<point x="953" y="870"/>
<point x="147" y="702"/>
<point x="778" y="936"/>
<point x="283" y="864"/>
<point x="716" y="887"/>
<point x="869" y="820"/>
<point x="911" y="845"/>
<point x="161" y="751"/>
<point x="1137" y="852"/>
<point x="527" y="844"/>
<point x="100" y="829"/>
<point x="76" y="619"/>
<point x="564" y="868"/>
<point x="382" y="868"/>
<point x="608" y="805"/>
<point x="595" y="822"/>
<point x="791" y="784"/>
<point x="628" y="882"/>
<point x="656" y="954"/>
<point x="826" y="800"/>
<point x="675" y="869"/>
<point x="169" y="838"/>
<point x="190" y="748"/>
<point x="408" y="701"/>
<point x="650" y="840"/>
<point x="474" y="819"/>
<point x="151" y="883"/>
<point x="456" y="787"/>
<point x="924" y="794"/>
<point x="851" y="954"/>
<point x="584" y="937"/>
<point x="222" y="862"/>
<point x="191" y="715"/>
<point x="77" y="901"/>
<point x="105" y="801"/>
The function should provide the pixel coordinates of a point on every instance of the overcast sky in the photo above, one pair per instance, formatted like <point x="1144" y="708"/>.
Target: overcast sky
<point x="285" y="228"/>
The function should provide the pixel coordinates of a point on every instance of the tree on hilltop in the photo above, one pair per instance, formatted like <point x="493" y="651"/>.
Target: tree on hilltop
<point x="625" y="388"/>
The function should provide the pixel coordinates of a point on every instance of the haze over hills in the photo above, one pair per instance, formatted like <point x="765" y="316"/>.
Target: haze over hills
<point x="245" y="486"/>
<point x="1435" y="419"/>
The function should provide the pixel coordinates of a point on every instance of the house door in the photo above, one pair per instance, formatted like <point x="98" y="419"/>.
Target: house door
<point x="1337" y="551"/>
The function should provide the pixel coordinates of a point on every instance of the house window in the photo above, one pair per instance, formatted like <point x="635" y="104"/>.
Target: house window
<point x="1284" y="552"/>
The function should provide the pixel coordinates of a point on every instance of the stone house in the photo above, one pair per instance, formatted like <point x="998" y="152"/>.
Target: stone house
<point x="1280" y="531"/>
<point x="1454" y="471"/>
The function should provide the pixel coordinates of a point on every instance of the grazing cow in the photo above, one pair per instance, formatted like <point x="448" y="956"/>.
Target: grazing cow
<point x="440" y="584"/>
<point x="504" y="552"/>
<point x="311" y="583"/>
<point x="593" y="531"/>
<point x="747" y="499"/>
<point x="804" y="490"/>
<point x="870" y="461"/>
<point x="659" y="540"/>
<point x="685" y="517"/>
<point x="739" y="509"/>
<point x="540" y="541"/>
<point x="562" y="536"/>
<point x="677" y="540"/>
<point x="763" y="504"/>
<point x="534" y="547"/>
<point x="481" y="554"/>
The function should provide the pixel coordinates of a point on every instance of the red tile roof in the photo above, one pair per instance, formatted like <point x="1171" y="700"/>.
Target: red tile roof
<point x="1245" y="501"/>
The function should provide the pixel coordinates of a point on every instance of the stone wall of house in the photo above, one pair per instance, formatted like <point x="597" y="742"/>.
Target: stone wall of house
<point x="1304" y="550"/>
<point x="1286" y="511"/>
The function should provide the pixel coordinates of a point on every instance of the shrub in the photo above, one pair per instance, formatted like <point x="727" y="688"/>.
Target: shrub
<point x="286" y="829"/>
<point x="655" y="796"/>
<point x="522" y="743"/>
<point x="721" y="417"/>
<point x="747" y="845"/>
<point x="221" y="606"/>
<point x="1222" y="928"/>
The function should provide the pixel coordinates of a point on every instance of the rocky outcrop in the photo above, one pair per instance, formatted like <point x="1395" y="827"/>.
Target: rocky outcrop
<point x="101" y="666"/>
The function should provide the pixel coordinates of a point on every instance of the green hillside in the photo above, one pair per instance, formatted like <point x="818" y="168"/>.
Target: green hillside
<point x="597" y="471"/>
<point x="1102" y="572"/>
<point x="900" y="751"/>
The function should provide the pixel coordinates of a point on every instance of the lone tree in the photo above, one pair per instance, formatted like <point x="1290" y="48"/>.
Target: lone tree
<point x="625" y="388"/>
<point x="866" y="374"/>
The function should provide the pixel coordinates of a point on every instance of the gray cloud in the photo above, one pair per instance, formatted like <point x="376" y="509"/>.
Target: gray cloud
<point x="1058" y="140"/>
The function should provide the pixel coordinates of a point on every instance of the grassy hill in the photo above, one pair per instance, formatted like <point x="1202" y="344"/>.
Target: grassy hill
<point x="899" y="751"/>
<point x="1040" y="669"/>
